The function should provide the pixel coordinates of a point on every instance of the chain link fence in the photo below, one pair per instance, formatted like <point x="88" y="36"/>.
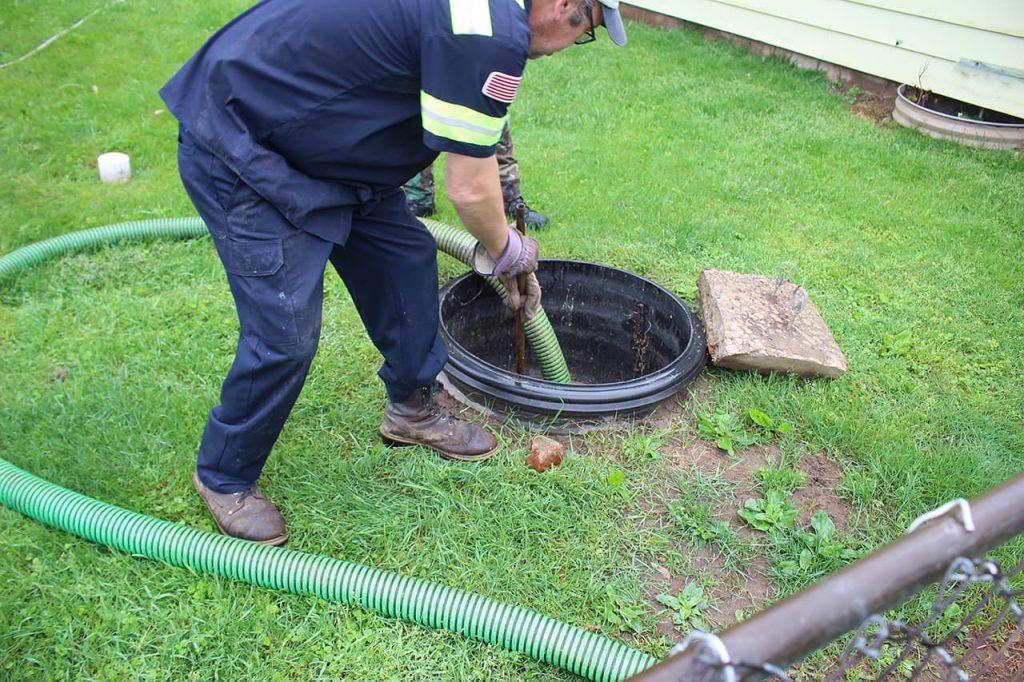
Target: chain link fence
<point x="937" y="649"/>
<point x="973" y="632"/>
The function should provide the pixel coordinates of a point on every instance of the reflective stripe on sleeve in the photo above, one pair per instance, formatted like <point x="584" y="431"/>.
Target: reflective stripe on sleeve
<point x="459" y="123"/>
<point x="471" y="17"/>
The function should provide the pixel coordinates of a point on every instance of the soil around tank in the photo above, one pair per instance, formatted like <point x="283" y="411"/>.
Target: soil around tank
<point x="733" y="590"/>
<point x="873" y="107"/>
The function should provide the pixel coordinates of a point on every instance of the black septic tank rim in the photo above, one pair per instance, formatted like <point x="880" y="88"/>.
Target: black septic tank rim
<point x="629" y="343"/>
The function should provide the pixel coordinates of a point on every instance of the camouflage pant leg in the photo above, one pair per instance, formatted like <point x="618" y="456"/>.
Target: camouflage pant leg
<point x="421" y="187"/>
<point x="508" y="167"/>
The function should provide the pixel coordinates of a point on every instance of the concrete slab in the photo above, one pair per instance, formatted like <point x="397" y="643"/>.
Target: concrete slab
<point x="766" y="324"/>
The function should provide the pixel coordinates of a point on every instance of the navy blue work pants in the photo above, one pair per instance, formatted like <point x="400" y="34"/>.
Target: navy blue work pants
<point x="389" y="265"/>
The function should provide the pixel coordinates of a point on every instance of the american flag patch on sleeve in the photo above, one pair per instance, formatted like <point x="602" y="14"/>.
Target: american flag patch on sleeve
<point x="501" y="86"/>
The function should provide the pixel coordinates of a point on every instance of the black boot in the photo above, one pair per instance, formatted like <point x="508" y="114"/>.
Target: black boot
<point x="419" y="420"/>
<point x="533" y="219"/>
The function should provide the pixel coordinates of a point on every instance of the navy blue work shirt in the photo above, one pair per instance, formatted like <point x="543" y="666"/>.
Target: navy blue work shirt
<point x="318" y="105"/>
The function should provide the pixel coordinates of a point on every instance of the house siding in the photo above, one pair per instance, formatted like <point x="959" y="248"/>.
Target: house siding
<point x="969" y="51"/>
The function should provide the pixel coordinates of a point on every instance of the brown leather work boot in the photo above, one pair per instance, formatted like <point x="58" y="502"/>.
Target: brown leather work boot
<point x="421" y="421"/>
<point x="245" y="514"/>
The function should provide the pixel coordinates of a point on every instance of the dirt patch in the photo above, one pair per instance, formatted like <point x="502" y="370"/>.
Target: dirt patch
<point x="819" y="491"/>
<point x="823" y="479"/>
<point x="731" y="593"/>
<point x="989" y="664"/>
<point x="735" y="591"/>
<point x="991" y="660"/>
<point x="58" y="375"/>
<point x="736" y="472"/>
<point x="749" y="589"/>
<point x="728" y="590"/>
<point x="983" y="660"/>
<point x="706" y="458"/>
<point x="668" y="412"/>
<point x="875" y="108"/>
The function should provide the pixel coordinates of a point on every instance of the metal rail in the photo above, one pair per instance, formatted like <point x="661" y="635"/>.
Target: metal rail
<point x="788" y="631"/>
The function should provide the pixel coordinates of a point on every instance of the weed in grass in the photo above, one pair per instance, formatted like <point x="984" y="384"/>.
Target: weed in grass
<point x="729" y="432"/>
<point x="777" y="476"/>
<point x="706" y="486"/>
<point x="821" y="551"/>
<point x="638" y="444"/>
<point x="621" y="612"/>
<point x="901" y="345"/>
<point x="688" y="607"/>
<point x="726" y="430"/>
<point x="896" y="344"/>
<point x="772" y="513"/>
<point x="696" y="514"/>
<point x="616" y="480"/>
<point x="699" y="525"/>
<point x="771" y="427"/>
<point x="860" y="486"/>
<point x="677" y="559"/>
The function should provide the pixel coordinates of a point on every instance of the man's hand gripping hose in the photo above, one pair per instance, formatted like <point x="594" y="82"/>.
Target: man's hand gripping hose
<point x="519" y="258"/>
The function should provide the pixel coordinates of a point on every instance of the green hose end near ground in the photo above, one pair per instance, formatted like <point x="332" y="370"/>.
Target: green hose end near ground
<point x="584" y="653"/>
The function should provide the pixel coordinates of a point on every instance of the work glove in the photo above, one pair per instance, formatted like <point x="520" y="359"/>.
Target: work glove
<point x="530" y="301"/>
<point x="519" y="258"/>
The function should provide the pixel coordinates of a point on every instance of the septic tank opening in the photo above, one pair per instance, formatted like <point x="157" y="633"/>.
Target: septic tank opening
<point x="629" y="344"/>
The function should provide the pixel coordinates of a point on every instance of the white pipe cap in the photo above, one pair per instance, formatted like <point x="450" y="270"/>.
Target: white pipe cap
<point x="114" y="167"/>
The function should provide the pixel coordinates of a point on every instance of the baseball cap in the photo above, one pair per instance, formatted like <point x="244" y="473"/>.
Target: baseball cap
<point x="613" y="21"/>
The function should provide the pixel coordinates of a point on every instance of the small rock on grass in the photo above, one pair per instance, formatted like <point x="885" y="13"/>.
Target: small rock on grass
<point x="57" y="375"/>
<point x="544" y="453"/>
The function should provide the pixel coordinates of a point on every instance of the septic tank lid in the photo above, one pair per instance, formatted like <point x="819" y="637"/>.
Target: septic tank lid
<point x="630" y="344"/>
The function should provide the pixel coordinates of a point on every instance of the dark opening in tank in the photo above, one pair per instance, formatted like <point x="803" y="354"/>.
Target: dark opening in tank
<point x="629" y="343"/>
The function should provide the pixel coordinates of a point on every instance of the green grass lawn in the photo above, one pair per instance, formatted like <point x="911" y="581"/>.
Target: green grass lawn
<point x="664" y="158"/>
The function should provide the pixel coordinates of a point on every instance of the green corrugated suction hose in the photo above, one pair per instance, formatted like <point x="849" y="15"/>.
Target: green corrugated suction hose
<point x="539" y="333"/>
<point x="517" y="629"/>
<point x="586" y="654"/>
<point x="454" y="242"/>
<point x="34" y="254"/>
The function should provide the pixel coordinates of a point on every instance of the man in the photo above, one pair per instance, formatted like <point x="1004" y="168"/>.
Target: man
<point x="419" y="192"/>
<point x="300" y="120"/>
